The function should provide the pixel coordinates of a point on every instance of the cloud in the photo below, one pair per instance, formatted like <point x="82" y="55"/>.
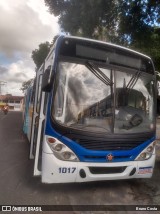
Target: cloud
<point x="22" y="27"/>
<point x="15" y="74"/>
<point x="24" y="24"/>
<point x="3" y="71"/>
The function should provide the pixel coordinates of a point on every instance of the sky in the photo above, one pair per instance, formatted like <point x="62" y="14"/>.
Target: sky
<point x="24" y="24"/>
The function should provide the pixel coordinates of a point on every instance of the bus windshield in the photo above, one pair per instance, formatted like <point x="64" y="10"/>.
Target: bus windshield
<point x="103" y="99"/>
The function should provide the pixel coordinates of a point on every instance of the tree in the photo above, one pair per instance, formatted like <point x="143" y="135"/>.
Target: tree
<point x="131" y="23"/>
<point x="39" y="55"/>
<point x="138" y="27"/>
<point x="86" y="18"/>
<point x="25" y="85"/>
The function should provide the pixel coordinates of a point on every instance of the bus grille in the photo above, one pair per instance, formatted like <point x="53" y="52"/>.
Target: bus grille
<point x="106" y="170"/>
<point x="110" y="143"/>
<point x="108" y="146"/>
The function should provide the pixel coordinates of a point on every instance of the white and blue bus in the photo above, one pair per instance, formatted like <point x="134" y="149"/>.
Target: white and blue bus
<point x="27" y="109"/>
<point x="94" y="115"/>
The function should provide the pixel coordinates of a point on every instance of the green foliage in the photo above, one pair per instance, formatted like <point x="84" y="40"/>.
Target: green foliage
<point x="86" y="18"/>
<point x="137" y="27"/>
<point x="25" y="85"/>
<point x="137" y="19"/>
<point x="39" y="55"/>
<point x="152" y="47"/>
<point x="131" y="23"/>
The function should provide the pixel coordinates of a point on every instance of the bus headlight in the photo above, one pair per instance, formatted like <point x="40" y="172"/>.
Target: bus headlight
<point x="61" y="151"/>
<point x="146" y="153"/>
<point x="67" y="155"/>
<point x="145" y="156"/>
<point x="150" y="149"/>
<point x="58" y="147"/>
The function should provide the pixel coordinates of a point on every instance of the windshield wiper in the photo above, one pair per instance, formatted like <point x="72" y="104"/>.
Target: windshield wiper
<point x="133" y="80"/>
<point x="101" y="76"/>
<point x="98" y="73"/>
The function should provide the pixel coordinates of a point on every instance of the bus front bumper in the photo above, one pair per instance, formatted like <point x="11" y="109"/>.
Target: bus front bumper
<point x="57" y="171"/>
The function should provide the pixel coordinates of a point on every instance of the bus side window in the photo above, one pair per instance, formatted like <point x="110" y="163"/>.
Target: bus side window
<point x="39" y="94"/>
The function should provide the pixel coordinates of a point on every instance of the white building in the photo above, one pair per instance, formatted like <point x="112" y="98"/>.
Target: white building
<point x="14" y="102"/>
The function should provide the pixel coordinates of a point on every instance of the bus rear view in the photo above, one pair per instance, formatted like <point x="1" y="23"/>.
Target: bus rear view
<point x="98" y="113"/>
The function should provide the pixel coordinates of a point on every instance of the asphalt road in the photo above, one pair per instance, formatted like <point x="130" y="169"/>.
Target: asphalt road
<point x="19" y="187"/>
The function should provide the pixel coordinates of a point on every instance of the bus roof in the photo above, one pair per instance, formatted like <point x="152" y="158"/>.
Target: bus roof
<point x="106" y="43"/>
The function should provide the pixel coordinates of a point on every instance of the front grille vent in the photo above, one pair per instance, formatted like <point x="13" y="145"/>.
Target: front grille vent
<point x="106" y="170"/>
<point x="110" y="142"/>
<point x="108" y="146"/>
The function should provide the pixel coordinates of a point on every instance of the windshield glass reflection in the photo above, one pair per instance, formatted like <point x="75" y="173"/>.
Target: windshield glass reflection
<point x="103" y="100"/>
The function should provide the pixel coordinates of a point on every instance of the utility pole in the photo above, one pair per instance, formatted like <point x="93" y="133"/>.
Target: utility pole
<point x="2" y="83"/>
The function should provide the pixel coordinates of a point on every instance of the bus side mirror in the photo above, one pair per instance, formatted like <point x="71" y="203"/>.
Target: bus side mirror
<point x="47" y="80"/>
